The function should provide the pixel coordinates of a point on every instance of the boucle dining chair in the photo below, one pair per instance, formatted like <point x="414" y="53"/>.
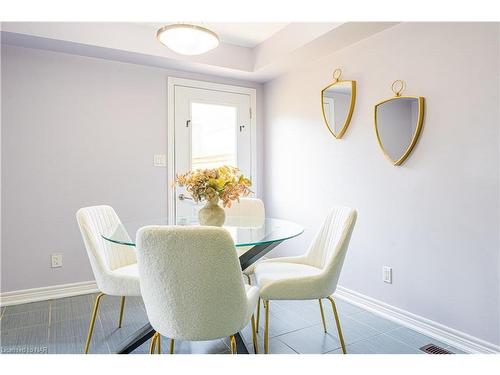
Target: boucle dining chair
<point x="114" y="265"/>
<point x="192" y="286"/>
<point x="248" y="212"/>
<point x="311" y="276"/>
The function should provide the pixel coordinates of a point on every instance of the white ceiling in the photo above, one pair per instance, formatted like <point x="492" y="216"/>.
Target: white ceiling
<point x="252" y="51"/>
<point x="244" y="34"/>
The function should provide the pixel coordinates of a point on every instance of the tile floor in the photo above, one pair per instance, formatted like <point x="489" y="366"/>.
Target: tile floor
<point x="60" y="326"/>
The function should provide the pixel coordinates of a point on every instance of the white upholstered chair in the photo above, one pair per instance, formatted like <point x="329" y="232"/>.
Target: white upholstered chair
<point x="248" y="212"/>
<point x="192" y="286"/>
<point x="114" y="265"/>
<point x="310" y="276"/>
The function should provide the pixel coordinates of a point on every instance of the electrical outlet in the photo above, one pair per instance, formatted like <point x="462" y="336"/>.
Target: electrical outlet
<point x="160" y="160"/>
<point x="56" y="260"/>
<point x="387" y="274"/>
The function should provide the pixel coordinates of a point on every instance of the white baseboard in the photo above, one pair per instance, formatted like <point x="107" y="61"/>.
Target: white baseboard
<point x="49" y="292"/>
<point x="450" y="336"/>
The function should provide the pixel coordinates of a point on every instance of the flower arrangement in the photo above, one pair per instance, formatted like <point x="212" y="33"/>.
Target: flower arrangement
<point x="225" y="183"/>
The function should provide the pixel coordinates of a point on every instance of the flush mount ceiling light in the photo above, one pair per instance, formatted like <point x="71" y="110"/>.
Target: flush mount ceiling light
<point x="187" y="39"/>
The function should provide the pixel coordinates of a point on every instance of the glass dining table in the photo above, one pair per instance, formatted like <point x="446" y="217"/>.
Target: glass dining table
<point x="254" y="236"/>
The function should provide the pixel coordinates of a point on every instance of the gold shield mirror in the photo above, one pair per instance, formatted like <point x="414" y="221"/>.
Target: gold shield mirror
<point x="398" y="123"/>
<point x="337" y="103"/>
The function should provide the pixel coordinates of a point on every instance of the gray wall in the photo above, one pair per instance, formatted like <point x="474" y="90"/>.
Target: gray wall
<point x="77" y="131"/>
<point x="435" y="219"/>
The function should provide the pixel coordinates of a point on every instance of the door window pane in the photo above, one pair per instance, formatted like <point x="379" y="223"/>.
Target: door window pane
<point x="213" y="135"/>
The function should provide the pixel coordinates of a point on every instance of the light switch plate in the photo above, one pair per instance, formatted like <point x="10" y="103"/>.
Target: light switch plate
<point x="387" y="274"/>
<point x="160" y="160"/>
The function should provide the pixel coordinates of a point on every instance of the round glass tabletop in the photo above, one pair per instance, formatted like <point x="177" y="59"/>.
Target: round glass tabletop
<point x="244" y="231"/>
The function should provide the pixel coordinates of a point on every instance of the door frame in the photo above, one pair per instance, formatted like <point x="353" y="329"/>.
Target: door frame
<point x="171" y="83"/>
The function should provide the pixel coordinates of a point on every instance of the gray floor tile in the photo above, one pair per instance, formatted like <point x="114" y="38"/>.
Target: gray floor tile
<point x="195" y="347"/>
<point x="352" y="330"/>
<point x="32" y="339"/>
<point x="455" y="350"/>
<point x="295" y="326"/>
<point x="187" y="347"/>
<point x="248" y="344"/>
<point x="77" y="327"/>
<point x="133" y="319"/>
<point x="24" y="319"/>
<point x="311" y="340"/>
<point x="336" y="351"/>
<point x="381" y="344"/>
<point x="413" y="338"/>
<point x="85" y="300"/>
<point x="73" y="345"/>
<point x="309" y="311"/>
<point x="27" y="307"/>
<point x="294" y="305"/>
<point x="281" y="321"/>
<point x="131" y="315"/>
<point x="70" y="312"/>
<point x="376" y="322"/>
<point x="113" y="303"/>
<point x="276" y="346"/>
<point x="314" y="340"/>
<point x="69" y="336"/>
<point x="246" y="334"/>
<point x="143" y="349"/>
<point x="343" y="307"/>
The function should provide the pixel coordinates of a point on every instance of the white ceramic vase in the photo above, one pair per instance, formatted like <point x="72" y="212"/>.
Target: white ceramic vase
<point x="212" y="214"/>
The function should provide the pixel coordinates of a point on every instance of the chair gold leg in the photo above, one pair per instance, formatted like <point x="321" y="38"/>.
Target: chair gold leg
<point x="152" y="344"/>
<point x="258" y="316"/>
<point x="158" y="343"/>
<point x="232" y="341"/>
<point x="249" y="279"/>
<point x="171" y="346"/>
<point x="337" y="321"/>
<point x="92" y="321"/>
<point x="322" y="314"/>
<point x="121" y="312"/>
<point x="266" y="328"/>
<point x="254" y="336"/>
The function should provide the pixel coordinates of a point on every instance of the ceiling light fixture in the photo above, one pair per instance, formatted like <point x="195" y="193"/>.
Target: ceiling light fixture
<point x="187" y="39"/>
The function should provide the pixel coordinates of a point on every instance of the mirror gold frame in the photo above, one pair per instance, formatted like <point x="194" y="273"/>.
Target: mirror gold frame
<point x="337" y="80"/>
<point x="418" y="129"/>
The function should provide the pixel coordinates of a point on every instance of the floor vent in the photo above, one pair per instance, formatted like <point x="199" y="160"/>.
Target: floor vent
<point x="434" y="349"/>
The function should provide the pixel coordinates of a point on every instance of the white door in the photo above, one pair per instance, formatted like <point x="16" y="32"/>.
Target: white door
<point x="212" y="128"/>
